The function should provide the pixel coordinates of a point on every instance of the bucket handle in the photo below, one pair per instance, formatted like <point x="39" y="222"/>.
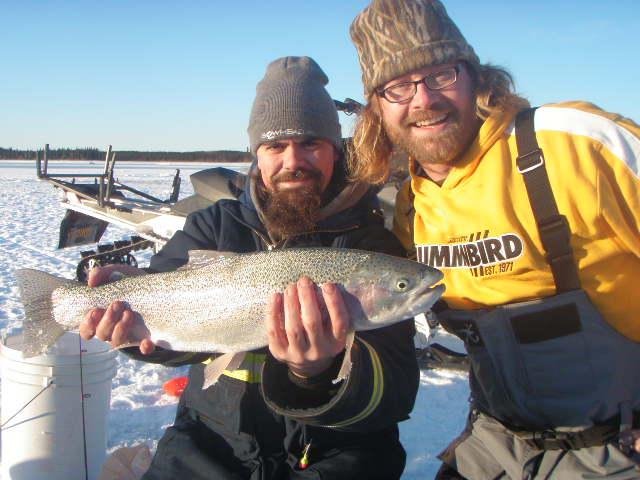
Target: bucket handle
<point x="49" y="383"/>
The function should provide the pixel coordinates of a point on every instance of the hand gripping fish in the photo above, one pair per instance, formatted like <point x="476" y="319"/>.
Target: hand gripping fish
<point x="217" y="301"/>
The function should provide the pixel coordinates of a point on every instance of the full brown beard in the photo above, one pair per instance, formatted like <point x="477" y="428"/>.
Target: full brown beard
<point x="439" y="149"/>
<point x="290" y="212"/>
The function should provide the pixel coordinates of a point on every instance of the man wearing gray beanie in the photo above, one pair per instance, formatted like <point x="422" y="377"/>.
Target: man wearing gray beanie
<point x="281" y="414"/>
<point x="533" y="216"/>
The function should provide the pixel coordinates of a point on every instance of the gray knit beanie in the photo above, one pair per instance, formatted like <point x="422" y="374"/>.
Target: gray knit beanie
<point x="396" y="37"/>
<point x="291" y="101"/>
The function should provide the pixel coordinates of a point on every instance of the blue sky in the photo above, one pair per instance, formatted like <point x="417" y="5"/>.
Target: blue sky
<point x="160" y="75"/>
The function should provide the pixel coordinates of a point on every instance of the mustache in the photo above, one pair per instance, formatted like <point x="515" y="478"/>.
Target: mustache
<point x="300" y="174"/>
<point x="433" y="113"/>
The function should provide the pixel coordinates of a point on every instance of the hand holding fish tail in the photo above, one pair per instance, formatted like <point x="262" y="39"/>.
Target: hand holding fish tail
<point x="116" y="323"/>
<point x="301" y="332"/>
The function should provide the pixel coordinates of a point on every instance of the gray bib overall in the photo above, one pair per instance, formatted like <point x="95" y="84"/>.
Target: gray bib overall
<point x="552" y="382"/>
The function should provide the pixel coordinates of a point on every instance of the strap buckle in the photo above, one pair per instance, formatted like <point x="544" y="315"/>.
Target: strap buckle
<point x="530" y="161"/>
<point x="555" y="440"/>
<point x="552" y="440"/>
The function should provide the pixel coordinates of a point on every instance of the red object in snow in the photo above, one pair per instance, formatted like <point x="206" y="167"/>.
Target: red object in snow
<point x="175" y="386"/>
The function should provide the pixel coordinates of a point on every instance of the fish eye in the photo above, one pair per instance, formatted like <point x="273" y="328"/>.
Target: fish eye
<point x="402" y="284"/>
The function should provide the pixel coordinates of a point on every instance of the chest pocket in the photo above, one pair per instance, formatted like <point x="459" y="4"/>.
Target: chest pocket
<point x="549" y="363"/>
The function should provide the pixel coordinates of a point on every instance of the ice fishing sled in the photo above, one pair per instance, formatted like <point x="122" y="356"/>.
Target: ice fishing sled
<point x="95" y="200"/>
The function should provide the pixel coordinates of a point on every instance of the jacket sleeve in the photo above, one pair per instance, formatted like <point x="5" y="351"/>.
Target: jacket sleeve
<point x="615" y="160"/>
<point x="198" y="233"/>
<point x="168" y="358"/>
<point x="619" y="186"/>
<point x="380" y="389"/>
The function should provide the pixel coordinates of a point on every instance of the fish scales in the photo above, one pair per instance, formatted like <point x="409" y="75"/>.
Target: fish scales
<point x="199" y="299"/>
<point x="218" y="304"/>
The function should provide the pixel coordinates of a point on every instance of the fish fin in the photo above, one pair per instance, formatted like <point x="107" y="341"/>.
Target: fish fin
<point x="204" y="258"/>
<point x="40" y="330"/>
<point x="226" y="361"/>
<point x="345" y="368"/>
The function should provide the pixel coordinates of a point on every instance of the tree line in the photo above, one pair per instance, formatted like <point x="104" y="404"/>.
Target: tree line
<point x="226" y="156"/>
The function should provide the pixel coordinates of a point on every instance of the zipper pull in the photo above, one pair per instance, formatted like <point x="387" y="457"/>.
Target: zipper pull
<point x="304" y="461"/>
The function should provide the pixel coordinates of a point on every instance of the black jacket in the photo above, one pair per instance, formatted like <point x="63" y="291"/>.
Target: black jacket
<point x="235" y="430"/>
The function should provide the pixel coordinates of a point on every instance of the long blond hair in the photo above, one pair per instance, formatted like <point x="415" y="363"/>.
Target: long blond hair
<point x="371" y="150"/>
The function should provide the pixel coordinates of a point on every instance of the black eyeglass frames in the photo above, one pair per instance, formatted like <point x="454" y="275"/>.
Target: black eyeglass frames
<point x="401" y="92"/>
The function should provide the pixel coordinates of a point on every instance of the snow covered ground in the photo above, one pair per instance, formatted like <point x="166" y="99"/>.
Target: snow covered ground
<point x="29" y="220"/>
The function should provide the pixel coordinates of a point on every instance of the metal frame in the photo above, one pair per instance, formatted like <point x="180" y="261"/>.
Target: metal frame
<point x="105" y="181"/>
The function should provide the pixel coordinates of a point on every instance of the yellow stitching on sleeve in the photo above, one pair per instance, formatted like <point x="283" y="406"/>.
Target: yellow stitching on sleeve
<point x="376" y="394"/>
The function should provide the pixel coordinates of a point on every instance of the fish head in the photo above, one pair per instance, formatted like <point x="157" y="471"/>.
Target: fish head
<point x="384" y="290"/>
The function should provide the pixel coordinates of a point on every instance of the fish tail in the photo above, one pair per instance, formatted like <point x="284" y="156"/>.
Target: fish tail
<point x="40" y="330"/>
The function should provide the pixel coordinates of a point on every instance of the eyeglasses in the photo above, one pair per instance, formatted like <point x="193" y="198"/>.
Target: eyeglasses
<point x="401" y="92"/>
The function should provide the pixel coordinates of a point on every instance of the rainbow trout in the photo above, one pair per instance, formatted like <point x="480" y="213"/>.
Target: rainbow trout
<point x="216" y="303"/>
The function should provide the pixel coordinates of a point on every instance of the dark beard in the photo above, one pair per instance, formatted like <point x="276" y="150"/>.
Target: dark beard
<point x="442" y="149"/>
<point x="290" y="212"/>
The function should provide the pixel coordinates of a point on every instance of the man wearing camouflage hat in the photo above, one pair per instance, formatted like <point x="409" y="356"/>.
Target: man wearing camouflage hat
<point x="533" y="216"/>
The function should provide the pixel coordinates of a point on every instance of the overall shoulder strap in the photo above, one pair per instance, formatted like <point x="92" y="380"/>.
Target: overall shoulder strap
<point x="553" y="227"/>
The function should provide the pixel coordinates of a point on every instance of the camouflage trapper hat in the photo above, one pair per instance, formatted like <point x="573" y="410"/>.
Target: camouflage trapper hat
<point x="396" y="37"/>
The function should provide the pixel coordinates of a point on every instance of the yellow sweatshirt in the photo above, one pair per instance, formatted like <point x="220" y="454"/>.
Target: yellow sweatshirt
<point x="479" y="229"/>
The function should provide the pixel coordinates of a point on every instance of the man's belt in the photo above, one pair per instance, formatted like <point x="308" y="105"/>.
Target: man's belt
<point x="561" y="440"/>
<point x="554" y="440"/>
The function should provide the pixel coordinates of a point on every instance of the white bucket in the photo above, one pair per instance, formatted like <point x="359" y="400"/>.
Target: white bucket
<point x="47" y="438"/>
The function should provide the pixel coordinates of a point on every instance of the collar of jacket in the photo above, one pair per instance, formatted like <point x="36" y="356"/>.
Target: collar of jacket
<point x="494" y="128"/>
<point x="347" y="209"/>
